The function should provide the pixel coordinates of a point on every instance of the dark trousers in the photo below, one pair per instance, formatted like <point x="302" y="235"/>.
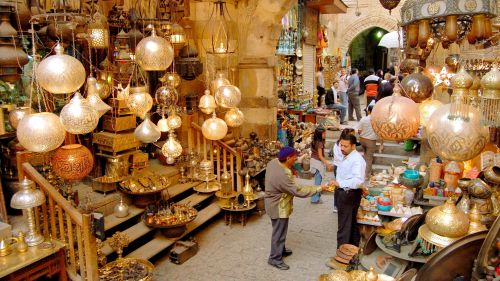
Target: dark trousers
<point x="354" y="106"/>
<point x="321" y="92"/>
<point x="347" y="206"/>
<point x="280" y="228"/>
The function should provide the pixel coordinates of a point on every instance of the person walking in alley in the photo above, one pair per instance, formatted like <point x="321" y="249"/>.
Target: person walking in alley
<point x="353" y="95"/>
<point x="368" y="139"/>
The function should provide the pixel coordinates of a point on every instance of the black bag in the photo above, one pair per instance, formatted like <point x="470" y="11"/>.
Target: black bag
<point x="329" y="99"/>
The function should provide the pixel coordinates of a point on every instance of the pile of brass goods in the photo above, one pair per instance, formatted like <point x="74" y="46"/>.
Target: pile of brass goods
<point x="257" y="153"/>
<point x="127" y="269"/>
<point x="170" y="216"/>
<point x="144" y="183"/>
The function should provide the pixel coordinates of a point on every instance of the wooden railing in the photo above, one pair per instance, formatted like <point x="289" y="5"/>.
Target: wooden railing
<point x="223" y="154"/>
<point x="60" y="220"/>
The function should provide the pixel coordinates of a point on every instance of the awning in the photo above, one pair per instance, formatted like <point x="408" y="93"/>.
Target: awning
<point x="390" y="40"/>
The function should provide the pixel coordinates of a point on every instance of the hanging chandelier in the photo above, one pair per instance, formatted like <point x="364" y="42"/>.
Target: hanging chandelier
<point x="447" y="21"/>
<point x="218" y="35"/>
<point x="154" y="53"/>
<point x="98" y="32"/>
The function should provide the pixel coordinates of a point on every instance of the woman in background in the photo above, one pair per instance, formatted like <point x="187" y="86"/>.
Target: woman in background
<point x="318" y="160"/>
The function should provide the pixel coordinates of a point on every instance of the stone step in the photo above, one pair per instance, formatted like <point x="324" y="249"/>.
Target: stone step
<point x="160" y="243"/>
<point x="388" y="159"/>
<point x="177" y="189"/>
<point x="111" y="221"/>
<point x="196" y="198"/>
<point x="135" y="232"/>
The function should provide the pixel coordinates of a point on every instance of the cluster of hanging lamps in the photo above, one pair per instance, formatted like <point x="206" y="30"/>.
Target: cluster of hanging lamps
<point x="60" y="73"/>
<point x="454" y="130"/>
<point x="79" y="116"/>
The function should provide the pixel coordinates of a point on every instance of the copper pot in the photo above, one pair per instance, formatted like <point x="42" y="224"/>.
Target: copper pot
<point x="72" y="162"/>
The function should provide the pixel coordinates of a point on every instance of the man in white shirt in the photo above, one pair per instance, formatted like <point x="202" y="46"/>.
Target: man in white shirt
<point x="343" y="85"/>
<point x="350" y="176"/>
<point x="368" y="139"/>
<point x="320" y="84"/>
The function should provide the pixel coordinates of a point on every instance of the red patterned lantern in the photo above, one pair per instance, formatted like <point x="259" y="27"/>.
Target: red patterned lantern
<point x="72" y="162"/>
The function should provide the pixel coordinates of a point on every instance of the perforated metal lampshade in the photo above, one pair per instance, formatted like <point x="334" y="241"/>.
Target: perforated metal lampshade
<point x="28" y="196"/>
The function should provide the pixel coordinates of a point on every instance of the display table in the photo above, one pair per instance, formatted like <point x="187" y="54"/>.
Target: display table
<point x="241" y="212"/>
<point x="405" y="250"/>
<point x="35" y="263"/>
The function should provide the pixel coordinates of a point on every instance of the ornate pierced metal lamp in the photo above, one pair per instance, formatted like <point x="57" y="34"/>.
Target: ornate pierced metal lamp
<point x="27" y="198"/>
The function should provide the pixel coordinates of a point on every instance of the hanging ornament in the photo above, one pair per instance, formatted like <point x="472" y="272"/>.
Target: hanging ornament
<point x="220" y="80"/>
<point x="174" y="121"/>
<point x="172" y="148"/>
<point x="17" y="114"/>
<point x="60" y="73"/>
<point x="217" y="35"/>
<point x="40" y="132"/>
<point x="177" y="35"/>
<point x="12" y="58"/>
<point x="154" y="53"/>
<point x="207" y="103"/>
<point x="389" y="4"/>
<point x="417" y="86"/>
<point x="426" y="108"/>
<point x="98" y="32"/>
<point x="172" y="79"/>
<point x="228" y="96"/>
<point x="72" y="162"/>
<point x="166" y="96"/>
<point x="234" y="117"/>
<point x="147" y="132"/>
<point x="490" y="100"/>
<point x="163" y="125"/>
<point x="140" y="101"/>
<point x="78" y="116"/>
<point x="93" y="98"/>
<point x="103" y="89"/>
<point x="395" y="117"/>
<point x="214" y="128"/>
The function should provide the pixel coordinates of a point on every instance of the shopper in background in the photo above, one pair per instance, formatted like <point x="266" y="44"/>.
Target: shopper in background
<point x="320" y="84"/>
<point x="371" y="83"/>
<point x="343" y="85"/>
<point x="386" y="87"/>
<point x="368" y="139"/>
<point x="353" y="95"/>
<point x="278" y="199"/>
<point x="318" y="161"/>
<point x="332" y="101"/>
<point x="349" y="180"/>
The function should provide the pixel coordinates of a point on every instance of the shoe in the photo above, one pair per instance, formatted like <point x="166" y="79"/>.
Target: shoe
<point x="287" y="252"/>
<point x="279" y="265"/>
<point x="335" y="210"/>
<point x="351" y="119"/>
<point x="344" y="123"/>
<point x="317" y="202"/>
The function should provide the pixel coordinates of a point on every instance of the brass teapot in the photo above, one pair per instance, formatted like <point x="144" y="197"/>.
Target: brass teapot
<point x="5" y="246"/>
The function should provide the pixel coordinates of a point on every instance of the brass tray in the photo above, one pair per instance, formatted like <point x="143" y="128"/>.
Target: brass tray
<point x="124" y="268"/>
<point x="155" y="225"/>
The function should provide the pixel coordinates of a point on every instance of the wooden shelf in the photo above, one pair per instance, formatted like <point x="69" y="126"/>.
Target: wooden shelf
<point x="374" y="223"/>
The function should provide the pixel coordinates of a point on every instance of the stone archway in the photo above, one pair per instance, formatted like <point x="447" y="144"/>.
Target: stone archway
<point x="354" y="29"/>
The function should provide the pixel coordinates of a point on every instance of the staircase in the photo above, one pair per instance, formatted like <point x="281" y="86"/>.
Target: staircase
<point x="146" y="242"/>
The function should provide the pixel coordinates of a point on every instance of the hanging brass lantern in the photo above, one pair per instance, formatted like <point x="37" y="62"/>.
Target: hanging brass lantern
<point x="40" y="132"/>
<point x="417" y="86"/>
<point x="207" y="103"/>
<point x="163" y="125"/>
<point x="389" y="4"/>
<point x="214" y="128"/>
<point x="12" y="56"/>
<point x="177" y="35"/>
<point x="147" y="131"/>
<point x="172" y="148"/>
<point x="140" y="101"/>
<point x="60" y="73"/>
<point x="98" y="32"/>
<point x="234" y="117"/>
<point x="93" y="98"/>
<point x="395" y="117"/>
<point x="220" y="80"/>
<point x="426" y="108"/>
<point x="154" y="53"/>
<point x="78" y="116"/>
<point x="188" y="64"/>
<point x="17" y="114"/>
<point x="72" y="162"/>
<point x="174" y="121"/>
<point x="166" y="96"/>
<point x="172" y="79"/>
<point x="490" y="100"/>
<point x="218" y="34"/>
<point x="228" y="96"/>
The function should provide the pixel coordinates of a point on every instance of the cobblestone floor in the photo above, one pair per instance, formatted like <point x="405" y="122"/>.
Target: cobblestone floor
<point x="240" y="253"/>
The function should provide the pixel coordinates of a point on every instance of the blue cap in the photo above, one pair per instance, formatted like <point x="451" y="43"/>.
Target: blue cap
<point x="286" y="152"/>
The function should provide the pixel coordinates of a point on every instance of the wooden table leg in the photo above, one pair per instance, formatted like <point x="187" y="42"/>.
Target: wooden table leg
<point x="62" y="265"/>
